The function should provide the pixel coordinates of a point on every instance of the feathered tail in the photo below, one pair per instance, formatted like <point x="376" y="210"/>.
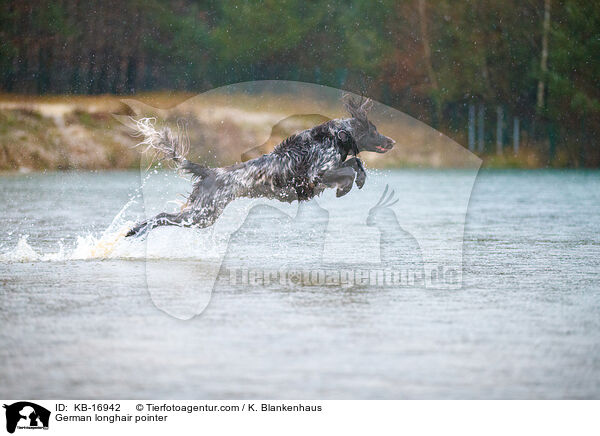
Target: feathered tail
<point x="170" y="145"/>
<point x="164" y="141"/>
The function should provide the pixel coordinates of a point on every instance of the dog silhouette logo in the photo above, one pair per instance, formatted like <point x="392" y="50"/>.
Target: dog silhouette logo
<point x="26" y="415"/>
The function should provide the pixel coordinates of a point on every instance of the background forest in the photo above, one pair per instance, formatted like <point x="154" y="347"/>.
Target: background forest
<point x="479" y="71"/>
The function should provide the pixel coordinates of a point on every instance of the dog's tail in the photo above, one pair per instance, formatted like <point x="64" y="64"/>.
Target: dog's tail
<point x="164" y="141"/>
<point x="171" y="145"/>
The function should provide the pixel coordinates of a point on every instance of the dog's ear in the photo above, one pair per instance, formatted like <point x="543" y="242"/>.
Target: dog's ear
<point x="366" y="105"/>
<point x="357" y="108"/>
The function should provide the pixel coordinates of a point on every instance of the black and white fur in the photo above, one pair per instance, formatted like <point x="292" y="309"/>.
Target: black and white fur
<point x="300" y="168"/>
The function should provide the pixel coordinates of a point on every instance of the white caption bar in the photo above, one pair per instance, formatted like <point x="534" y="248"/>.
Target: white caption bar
<point x="150" y="417"/>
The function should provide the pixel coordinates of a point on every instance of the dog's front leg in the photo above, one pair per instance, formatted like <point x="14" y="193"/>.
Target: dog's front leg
<point x="357" y="165"/>
<point x="342" y="178"/>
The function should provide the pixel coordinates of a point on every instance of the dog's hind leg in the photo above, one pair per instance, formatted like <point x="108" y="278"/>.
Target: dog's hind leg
<point x="202" y="217"/>
<point x="207" y="215"/>
<point x="182" y="219"/>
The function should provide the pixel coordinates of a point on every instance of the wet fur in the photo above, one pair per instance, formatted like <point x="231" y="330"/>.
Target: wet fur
<point x="301" y="167"/>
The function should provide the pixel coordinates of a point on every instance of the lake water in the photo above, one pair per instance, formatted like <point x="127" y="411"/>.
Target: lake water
<point x="88" y="314"/>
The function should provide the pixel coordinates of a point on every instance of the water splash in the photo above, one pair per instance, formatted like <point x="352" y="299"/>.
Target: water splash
<point x="168" y="243"/>
<point x="109" y="245"/>
<point x="164" y="243"/>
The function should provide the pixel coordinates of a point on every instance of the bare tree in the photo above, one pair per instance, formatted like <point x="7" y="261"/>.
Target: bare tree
<point x="544" y="59"/>
<point x="427" y="55"/>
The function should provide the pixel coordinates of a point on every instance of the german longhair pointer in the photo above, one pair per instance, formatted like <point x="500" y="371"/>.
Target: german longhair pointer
<point x="300" y="168"/>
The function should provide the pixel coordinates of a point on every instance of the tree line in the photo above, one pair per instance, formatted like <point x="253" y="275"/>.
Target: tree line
<point x="537" y="60"/>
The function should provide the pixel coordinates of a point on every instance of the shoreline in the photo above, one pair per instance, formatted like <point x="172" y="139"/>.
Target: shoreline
<point x="41" y="133"/>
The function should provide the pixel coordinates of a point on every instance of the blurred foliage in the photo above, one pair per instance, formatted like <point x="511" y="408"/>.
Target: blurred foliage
<point x="482" y="52"/>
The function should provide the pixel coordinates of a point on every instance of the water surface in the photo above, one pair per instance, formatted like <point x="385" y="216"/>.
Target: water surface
<point x="78" y="319"/>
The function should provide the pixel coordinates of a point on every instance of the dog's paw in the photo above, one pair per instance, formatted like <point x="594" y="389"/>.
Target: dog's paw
<point x="343" y="190"/>
<point x="137" y="230"/>
<point x="361" y="176"/>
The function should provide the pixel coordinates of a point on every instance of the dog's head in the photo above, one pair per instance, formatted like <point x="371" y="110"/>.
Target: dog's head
<point x="363" y="131"/>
